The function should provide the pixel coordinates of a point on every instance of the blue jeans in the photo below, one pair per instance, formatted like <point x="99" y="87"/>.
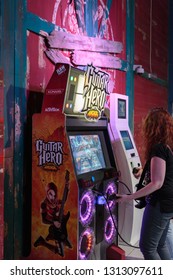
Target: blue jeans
<point x="169" y="238"/>
<point x="153" y="233"/>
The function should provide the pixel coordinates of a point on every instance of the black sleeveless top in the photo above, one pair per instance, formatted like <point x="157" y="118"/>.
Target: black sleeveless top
<point x="165" y="194"/>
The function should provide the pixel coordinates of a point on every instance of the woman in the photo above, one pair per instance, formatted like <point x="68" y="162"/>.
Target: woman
<point x="158" y="137"/>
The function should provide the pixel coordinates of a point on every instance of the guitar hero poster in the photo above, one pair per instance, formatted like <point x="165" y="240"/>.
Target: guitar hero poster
<point x="54" y="191"/>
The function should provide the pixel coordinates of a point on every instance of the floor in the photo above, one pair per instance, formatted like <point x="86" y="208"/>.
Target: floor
<point x="131" y="253"/>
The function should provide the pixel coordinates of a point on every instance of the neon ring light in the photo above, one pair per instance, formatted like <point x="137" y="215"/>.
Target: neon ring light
<point x="86" y="208"/>
<point x="110" y="230"/>
<point x="86" y="243"/>
<point x="110" y="189"/>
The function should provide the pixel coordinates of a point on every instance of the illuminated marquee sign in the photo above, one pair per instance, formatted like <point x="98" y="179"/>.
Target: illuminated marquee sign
<point x="94" y="93"/>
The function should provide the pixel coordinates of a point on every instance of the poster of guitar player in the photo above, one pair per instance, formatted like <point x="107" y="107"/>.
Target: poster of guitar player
<point x="54" y="191"/>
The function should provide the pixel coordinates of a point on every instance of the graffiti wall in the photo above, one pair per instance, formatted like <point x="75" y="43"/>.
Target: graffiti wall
<point x="94" y="32"/>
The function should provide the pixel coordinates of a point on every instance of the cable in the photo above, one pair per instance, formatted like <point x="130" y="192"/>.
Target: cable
<point x="110" y="212"/>
<point x="136" y="247"/>
<point x="126" y="188"/>
<point x="118" y="181"/>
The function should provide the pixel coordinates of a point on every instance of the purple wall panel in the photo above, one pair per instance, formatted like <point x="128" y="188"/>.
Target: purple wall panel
<point x="151" y="36"/>
<point x="148" y="95"/>
<point x="151" y="51"/>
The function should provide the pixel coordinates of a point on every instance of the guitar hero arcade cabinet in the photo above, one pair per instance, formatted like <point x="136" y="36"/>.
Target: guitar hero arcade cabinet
<point x="94" y="164"/>
<point x="96" y="180"/>
<point x="74" y="171"/>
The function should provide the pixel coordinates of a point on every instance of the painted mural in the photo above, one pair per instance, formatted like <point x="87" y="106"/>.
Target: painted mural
<point x="77" y="22"/>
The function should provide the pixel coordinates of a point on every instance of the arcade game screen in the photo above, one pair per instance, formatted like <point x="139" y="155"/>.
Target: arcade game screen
<point x="121" y="108"/>
<point x="126" y="139"/>
<point x="87" y="153"/>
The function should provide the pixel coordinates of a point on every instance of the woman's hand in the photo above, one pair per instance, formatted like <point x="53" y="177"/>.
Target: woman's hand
<point x="137" y="172"/>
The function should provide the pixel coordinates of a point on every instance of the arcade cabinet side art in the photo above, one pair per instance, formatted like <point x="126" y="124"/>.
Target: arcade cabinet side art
<point x="54" y="191"/>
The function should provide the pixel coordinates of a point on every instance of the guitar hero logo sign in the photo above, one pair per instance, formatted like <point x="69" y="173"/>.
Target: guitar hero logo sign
<point x="50" y="154"/>
<point x="94" y="93"/>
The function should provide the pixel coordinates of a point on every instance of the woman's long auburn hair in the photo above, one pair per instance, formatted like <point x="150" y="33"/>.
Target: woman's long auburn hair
<point x="157" y="128"/>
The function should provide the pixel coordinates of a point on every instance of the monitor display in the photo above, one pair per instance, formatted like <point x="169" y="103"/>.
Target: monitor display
<point x="121" y="108"/>
<point x="87" y="152"/>
<point x="126" y="140"/>
<point x="74" y="100"/>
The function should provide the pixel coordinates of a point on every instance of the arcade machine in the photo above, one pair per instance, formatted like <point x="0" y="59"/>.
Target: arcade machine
<point x="54" y="189"/>
<point x="72" y="150"/>
<point x="126" y="156"/>
<point x="96" y="178"/>
<point x="94" y="165"/>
